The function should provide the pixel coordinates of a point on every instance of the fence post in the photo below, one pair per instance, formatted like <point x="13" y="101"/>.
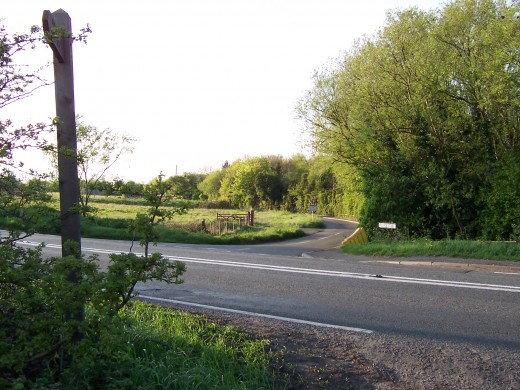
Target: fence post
<point x="251" y="215"/>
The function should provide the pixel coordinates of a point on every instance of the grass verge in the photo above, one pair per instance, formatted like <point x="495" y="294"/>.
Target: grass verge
<point x="161" y="348"/>
<point x="449" y="248"/>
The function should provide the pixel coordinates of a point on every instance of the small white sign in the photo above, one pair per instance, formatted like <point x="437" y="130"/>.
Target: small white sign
<point x="387" y="225"/>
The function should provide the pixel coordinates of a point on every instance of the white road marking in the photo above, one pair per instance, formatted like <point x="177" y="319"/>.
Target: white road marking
<point x="507" y="273"/>
<point x="253" y="314"/>
<point x="311" y="271"/>
<point x="316" y="239"/>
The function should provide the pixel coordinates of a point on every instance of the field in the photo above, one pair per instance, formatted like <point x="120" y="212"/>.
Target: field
<point x="113" y="216"/>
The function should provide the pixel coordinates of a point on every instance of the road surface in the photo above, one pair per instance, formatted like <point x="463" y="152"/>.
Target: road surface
<point x="308" y="280"/>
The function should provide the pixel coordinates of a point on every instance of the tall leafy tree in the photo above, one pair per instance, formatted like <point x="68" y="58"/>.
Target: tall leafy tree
<point x="238" y="184"/>
<point x="423" y="112"/>
<point x="210" y="185"/>
<point x="269" y="188"/>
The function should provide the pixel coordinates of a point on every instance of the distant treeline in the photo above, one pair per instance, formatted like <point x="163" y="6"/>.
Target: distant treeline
<point x="267" y="182"/>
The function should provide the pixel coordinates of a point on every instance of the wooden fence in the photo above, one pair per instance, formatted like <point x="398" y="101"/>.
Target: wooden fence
<point x="227" y="222"/>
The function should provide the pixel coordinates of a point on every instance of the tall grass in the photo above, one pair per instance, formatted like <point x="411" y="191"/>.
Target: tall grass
<point x="159" y="348"/>
<point x="450" y="248"/>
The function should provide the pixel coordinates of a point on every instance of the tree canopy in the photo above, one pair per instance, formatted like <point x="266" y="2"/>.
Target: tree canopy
<point x="427" y="114"/>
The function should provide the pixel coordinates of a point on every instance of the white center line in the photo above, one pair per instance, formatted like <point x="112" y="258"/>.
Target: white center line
<point x="311" y="271"/>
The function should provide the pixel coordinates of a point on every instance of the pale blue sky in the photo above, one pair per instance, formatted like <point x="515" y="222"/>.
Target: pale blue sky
<point x="197" y="82"/>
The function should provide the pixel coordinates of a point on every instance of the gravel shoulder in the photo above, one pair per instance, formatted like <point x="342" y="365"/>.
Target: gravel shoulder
<point x="325" y="358"/>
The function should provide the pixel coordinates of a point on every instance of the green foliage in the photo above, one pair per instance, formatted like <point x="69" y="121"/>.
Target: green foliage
<point x="186" y="186"/>
<point x="273" y="182"/>
<point x="131" y="188"/>
<point x="126" y="269"/>
<point x="37" y="294"/>
<point x="426" y="113"/>
<point x="24" y="207"/>
<point x="210" y="186"/>
<point x="156" y="194"/>
<point x="238" y="184"/>
<point x="500" y="216"/>
<point x="268" y="187"/>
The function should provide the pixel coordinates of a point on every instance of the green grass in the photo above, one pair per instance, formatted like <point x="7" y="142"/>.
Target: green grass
<point x="450" y="248"/>
<point x="114" y="214"/>
<point x="269" y="226"/>
<point x="161" y="348"/>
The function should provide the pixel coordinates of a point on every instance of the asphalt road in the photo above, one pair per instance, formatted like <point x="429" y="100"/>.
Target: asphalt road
<point x="308" y="279"/>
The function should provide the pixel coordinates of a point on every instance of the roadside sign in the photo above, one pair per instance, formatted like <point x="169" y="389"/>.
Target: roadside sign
<point x="387" y="225"/>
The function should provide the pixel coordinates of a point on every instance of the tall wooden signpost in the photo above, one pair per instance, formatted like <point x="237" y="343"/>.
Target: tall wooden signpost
<point x="59" y="24"/>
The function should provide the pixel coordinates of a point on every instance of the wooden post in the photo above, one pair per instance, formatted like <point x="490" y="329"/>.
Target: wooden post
<point x="66" y="129"/>
<point x="66" y="140"/>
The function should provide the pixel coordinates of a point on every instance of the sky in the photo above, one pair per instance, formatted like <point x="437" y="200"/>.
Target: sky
<point x="196" y="82"/>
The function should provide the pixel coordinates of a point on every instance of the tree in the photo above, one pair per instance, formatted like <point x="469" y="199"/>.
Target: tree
<point x="186" y="186"/>
<point x="238" y="184"/>
<point x="17" y="82"/>
<point x="98" y="150"/>
<point x="268" y="187"/>
<point x="422" y="113"/>
<point x="210" y="186"/>
<point x="131" y="188"/>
